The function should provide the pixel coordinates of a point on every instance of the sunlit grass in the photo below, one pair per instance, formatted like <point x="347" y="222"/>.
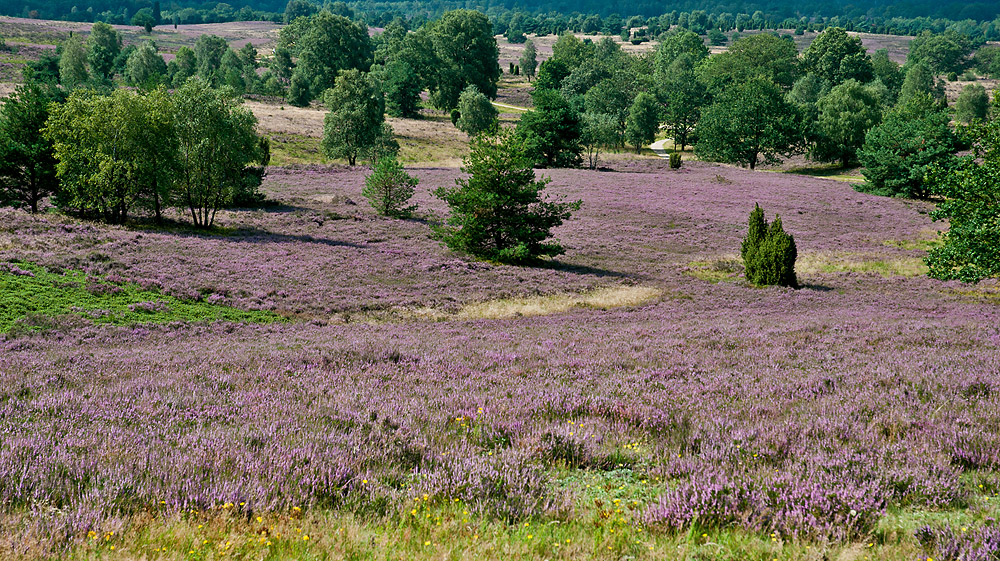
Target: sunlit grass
<point x="34" y="299"/>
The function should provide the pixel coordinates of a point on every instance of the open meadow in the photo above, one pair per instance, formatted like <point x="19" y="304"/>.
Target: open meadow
<point x="307" y="379"/>
<point x="383" y="398"/>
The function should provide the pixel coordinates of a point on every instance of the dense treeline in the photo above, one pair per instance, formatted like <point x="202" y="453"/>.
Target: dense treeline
<point x="978" y="20"/>
<point x="69" y="135"/>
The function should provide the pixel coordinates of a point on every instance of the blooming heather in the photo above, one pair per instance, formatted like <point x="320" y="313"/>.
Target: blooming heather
<point x="802" y="412"/>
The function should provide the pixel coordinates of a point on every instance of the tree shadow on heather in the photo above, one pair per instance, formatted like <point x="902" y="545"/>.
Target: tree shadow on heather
<point x="257" y="235"/>
<point x="580" y="269"/>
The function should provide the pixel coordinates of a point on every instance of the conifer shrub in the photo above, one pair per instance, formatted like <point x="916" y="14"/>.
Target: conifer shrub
<point x="768" y="252"/>
<point x="389" y="188"/>
<point x="675" y="160"/>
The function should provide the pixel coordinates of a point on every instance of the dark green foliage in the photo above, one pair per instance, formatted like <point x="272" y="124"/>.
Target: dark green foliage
<point x="888" y="72"/>
<point x="920" y="81"/>
<point x="208" y="52"/>
<point x="528" y="60"/>
<point x="987" y="61"/>
<point x="677" y="43"/>
<point x="845" y="115"/>
<point x="837" y="57"/>
<point x="466" y="52"/>
<point x="749" y="123"/>
<point x="476" y="113"/>
<point x="353" y="127"/>
<point x="388" y="188"/>
<point x="27" y="164"/>
<point x="299" y="9"/>
<point x="763" y="55"/>
<point x="971" y="200"/>
<point x="897" y="153"/>
<point x="643" y="121"/>
<point x="552" y="130"/>
<point x="455" y="115"/>
<point x="327" y="44"/>
<point x="973" y="103"/>
<point x="104" y="44"/>
<point x="551" y="75"/>
<point x="402" y="89"/>
<point x="675" y="160"/>
<point x="682" y="99"/>
<point x="768" y="252"/>
<point x="943" y="52"/>
<point x="497" y="213"/>
<point x="299" y="93"/>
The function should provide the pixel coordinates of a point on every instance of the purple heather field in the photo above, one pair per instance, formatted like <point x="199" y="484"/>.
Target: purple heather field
<point x="807" y="412"/>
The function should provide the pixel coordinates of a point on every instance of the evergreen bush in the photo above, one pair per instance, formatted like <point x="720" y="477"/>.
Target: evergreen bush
<point x="675" y="160"/>
<point x="768" y="252"/>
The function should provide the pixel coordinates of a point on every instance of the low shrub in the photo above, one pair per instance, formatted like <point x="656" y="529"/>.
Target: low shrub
<point x="768" y="252"/>
<point x="675" y="160"/>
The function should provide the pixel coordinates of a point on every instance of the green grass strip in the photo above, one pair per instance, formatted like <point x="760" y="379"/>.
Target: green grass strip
<point x="29" y="292"/>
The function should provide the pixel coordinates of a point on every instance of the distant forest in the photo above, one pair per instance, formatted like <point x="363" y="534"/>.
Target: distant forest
<point x="875" y="16"/>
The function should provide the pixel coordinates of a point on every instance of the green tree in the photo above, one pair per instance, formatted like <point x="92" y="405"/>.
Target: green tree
<point x="941" y="52"/>
<point x="551" y="75"/>
<point x="682" y="98"/>
<point x="145" y="67"/>
<point x="477" y="114"/>
<point x="498" y="213"/>
<point x="677" y="43"/>
<point x="973" y="103"/>
<point x="27" y="163"/>
<point x="920" y="81"/>
<point x="970" y="203"/>
<point x="888" y="72"/>
<point x="552" y="130"/>
<point x="388" y="188"/>
<point x="987" y="61"/>
<point x="353" y="126"/>
<point x="763" y="55"/>
<point x="298" y="92"/>
<point x="402" y="89"/>
<point x="846" y="114"/>
<point x="114" y="152"/>
<point x="217" y="147"/>
<point x="144" y="19"/>
<point x="768" y="252"/>
<point x="749" y="123"/>
<point x="529" y="59"/>
<point x="897" y="153"/>
<point x="187" y="66"/>
<point x="598" y="131"/>
<point x="467" y="54"/>
<point x="299" y="9"/>
<point x="838" y="57"/>
<point x="72" y="64"/>
<point x="329" y="45"/>
<point x="571" y="51"/>
<point x="643" y="121"/>
<point x="612" y="96"/>
<point x="104" y="45"/>
<point x="208" y="51"/>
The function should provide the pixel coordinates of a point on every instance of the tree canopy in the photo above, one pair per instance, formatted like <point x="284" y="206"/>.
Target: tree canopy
<point x="749" y="123"/>
<point x="497" y="212"/>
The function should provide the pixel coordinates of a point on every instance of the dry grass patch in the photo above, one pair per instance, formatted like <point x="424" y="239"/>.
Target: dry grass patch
<point x="825" y="262"/>
<point x="296" y="132"/>
<point x="601" y="298"/>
